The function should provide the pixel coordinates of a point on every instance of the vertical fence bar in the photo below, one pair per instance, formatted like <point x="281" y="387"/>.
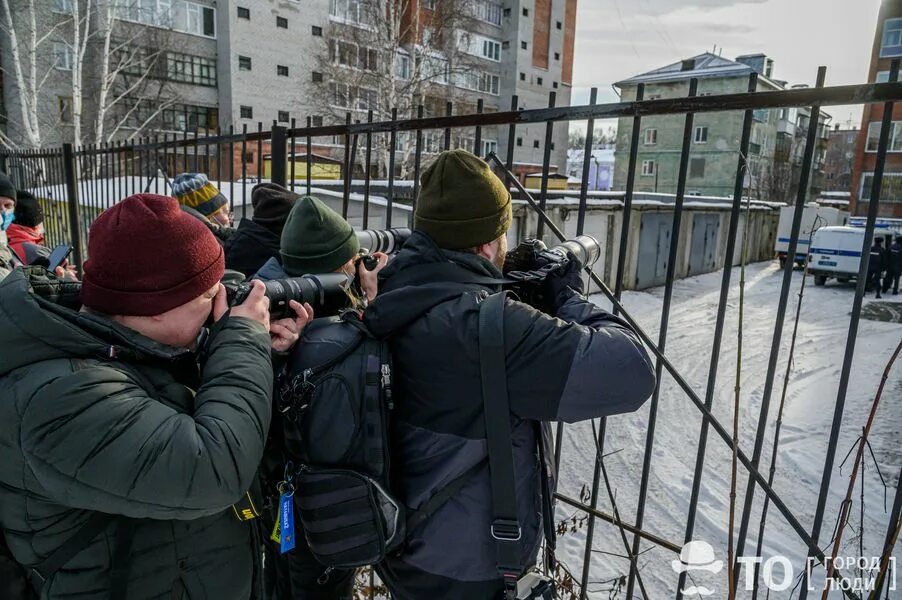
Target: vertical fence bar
<point x="807" y="160"/>
<point x="392" y="143"/>
<point x="366" y="170"/>
<point x="231" y="169"/>
<point x="219" y="161"/>
<point x="72" y="201"/>
<point x="511" y="136"/>
<point x="346" y="192"/>
<point x="244" y="170"/>
<point x="417" y="160"/>
<point x="195" y="167"/>
<point x="662" y="335"/>
<point x="184" y="168"/>
<point x="546" y="162"/>
<point x="292" y="155"/>
<point x="628" y="197"/>
<point x="584" y="184"/>
<point x="309" y="155"/>
<point x="735" y="213"/>
<point x="277" y="156"/>
<point x="477" y="139"/>
<point x="120" y="182"/>
<point x="155" y="165"/>
<point x="108" y="176"/>
<point x="873" y="206"/>
<point x="449" y="109"/>
<point x="260" y="151"/>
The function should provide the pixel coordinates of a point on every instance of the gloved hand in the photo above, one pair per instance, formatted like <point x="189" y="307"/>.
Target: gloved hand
<point x="561" y="285"/>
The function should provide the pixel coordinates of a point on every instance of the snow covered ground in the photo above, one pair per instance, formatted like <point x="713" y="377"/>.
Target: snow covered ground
<point x="811" y="396"/>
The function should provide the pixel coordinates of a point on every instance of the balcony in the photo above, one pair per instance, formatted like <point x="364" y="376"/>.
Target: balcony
<point x="786" y="127"/>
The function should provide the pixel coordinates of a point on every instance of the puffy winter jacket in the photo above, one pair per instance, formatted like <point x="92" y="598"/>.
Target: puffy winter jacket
<point x="6" y="258"/>
<point x="83" y="432"/>
<point x="250" y="247"/>
<point x="585" y="363"/>
<point x="19" y="235"/>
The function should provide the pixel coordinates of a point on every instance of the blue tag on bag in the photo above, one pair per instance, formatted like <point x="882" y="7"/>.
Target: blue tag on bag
<point x="286" y="519"/>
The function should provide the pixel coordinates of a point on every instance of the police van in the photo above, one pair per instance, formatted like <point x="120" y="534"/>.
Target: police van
<point x="814" y="216"/>
<point x="835" y="252"/>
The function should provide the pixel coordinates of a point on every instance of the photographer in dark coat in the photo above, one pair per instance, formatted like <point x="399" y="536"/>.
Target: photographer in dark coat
<point x="257" y="239"/>
<point x="894" y="266"/>
<point x="577" y="363"/>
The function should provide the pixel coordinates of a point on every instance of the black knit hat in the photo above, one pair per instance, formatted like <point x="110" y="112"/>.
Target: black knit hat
<point x="7" y="189"/>
<point x="272" y="203"/>
<point x="316" y="239"/>
<point x="28" y="210"/>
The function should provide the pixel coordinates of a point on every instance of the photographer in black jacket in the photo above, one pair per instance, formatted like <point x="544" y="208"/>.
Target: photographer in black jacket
<point x="578" y="363"/>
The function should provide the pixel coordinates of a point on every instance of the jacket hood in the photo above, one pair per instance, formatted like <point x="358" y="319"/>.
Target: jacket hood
<point x="270" y="270"/>
<point x="421" y="277"/>
<point x="39" y="328"/>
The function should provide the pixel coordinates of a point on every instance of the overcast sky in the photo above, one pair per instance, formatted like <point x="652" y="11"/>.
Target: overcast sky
<point x="616" y="39"/>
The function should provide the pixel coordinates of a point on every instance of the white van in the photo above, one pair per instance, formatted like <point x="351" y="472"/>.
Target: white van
<point x="813" y="217"/>
<point x="835" y="252"/>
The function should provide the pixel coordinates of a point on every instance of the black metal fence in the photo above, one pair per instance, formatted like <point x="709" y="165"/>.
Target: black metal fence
<point x="79" y="183"/>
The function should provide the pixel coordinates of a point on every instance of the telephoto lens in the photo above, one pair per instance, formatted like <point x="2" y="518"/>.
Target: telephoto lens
<point x="388" y="241"/>
<point x="326" y="293"/>
<point x="584" y="247"/>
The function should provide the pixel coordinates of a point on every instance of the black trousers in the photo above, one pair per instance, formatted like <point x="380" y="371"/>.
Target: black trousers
<point x="874" y="282"/>
<point x="891" y="280"/>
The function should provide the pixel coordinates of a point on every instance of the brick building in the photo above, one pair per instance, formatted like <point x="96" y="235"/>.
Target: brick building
<point x="839" y="159"/>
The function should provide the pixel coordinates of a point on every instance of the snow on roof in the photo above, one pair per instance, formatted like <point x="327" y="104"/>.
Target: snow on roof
<point x="705" y="65"/>
<point x="601" y="155"/>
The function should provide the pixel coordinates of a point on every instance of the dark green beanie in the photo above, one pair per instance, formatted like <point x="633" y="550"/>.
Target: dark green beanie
<point x="316" y="239"/>
<point x="462" y="204"/>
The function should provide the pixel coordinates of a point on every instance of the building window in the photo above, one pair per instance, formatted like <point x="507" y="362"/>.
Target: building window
<point x="554" y="84"/>
<point x="522" y="76"/>
<point x="696" y="167"/>
<point x="317" y="31"/>
<point x="535" y="143"/>
<point x="651" y="137"/>
<point x="65" y="106"/>
<point x="317" y="77"/>
<point x="244" y="13"/>
<point x="429" y="4"/>
<point x="507" y="12"/>
<point x="895" y="137"/>
<point x="519" y="141"/>
<point x="190" y="69"/>
<point x="892" y="38"/>
<point x="316" y="121"/>
<point x="488" y="11"/>
<point x="281" y="22"/>
<point x="649" y="168"/>
<point x="525" y="12"/>
<point x="186" y="117"/>
<point x="348" y="11"/>
<point x="890" y="190"/>
<point x="282" y="70"/>
<point x="62" y="6"/>
<point x="558" y="24"/>
<point x="402" y="66"/>
<point x="479" y="81"/>
<point x="524" y="45"/>
<point x="557" y="56"/>
<point x="199" y="19"/>
<point x="244" y="63"/>
<point x="283" y="116"/>
<point x="538" y="81"/>
<point x="491" y="50"/>
<point x="247" y="112"/>
<point x="62" y="56"/>
<point x="249" y="158"/>
<point x="187" y="17"/>
<point x="701" y="135"/>
<point x="489" y="146"/>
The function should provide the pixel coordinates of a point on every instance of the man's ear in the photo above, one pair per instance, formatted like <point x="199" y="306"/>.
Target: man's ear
<point x="488" y="251"/>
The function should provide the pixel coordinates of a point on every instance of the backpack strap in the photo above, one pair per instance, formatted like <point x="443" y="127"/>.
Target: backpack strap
<point x="42" y="571"/>
<point x="505" y="530"/>
<point x="417" y="517"/>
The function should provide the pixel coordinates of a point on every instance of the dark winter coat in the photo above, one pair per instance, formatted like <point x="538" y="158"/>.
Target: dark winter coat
<point x="84" y="433"/>
<point x="585" y="363"/>
<point x="895" y="258"/>
<point x="271" y="269"/>
<point x="877" y="260"/>
<point x="250" y="247"/>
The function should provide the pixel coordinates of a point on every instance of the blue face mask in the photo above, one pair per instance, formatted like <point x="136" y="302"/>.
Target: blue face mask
<point x="8" y="218"/>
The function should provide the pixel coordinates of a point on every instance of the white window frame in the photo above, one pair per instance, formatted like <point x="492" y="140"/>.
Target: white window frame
<point x="349" y="12"/>
<point x="865" y="175"/>
<point x="402" y="66"/>
<point x="873" y="137"/>
<point x="479" y="45"/>
<point x="649" y="167"/>
<point x="491" y="49"/>
<point x="651" y="137"/>
<point x="892" y="31"/>
<point x="489" y="146"/>
<point x="62" y="56"/>
<point x="488" y="11"/>
<point x="700" y="136"/>
<point x="64" y="7"/>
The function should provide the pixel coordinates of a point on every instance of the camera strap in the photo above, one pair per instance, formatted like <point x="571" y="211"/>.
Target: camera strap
<point x="505" y="529"/>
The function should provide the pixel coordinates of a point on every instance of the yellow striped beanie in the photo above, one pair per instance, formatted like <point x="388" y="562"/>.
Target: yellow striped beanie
<point x="195" y="191"/>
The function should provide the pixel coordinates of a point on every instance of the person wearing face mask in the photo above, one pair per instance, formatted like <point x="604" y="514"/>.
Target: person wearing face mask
<point x="27" y="226"/>
<point x="203" y="200"/>
<point x="127" y="430"/>
<point x="7" y="215"/>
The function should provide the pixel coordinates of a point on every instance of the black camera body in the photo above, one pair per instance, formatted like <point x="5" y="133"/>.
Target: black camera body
<point x="325" y="293"/>
<point x="531" y="263"/>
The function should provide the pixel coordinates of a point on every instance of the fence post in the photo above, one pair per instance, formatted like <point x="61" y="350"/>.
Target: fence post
<point x="278" y="157"/>
<point x="69" y="171"/>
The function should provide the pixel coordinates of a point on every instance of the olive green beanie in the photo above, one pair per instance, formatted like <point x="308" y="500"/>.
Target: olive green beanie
<point x="316" y="239"/>
<point x="462" y="204"/>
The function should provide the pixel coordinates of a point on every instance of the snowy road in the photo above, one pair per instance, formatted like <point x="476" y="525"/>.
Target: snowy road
<point x="811" y="395"/>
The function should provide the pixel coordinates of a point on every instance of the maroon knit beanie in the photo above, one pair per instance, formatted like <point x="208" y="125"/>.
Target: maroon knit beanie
<point x="147" y="256"/>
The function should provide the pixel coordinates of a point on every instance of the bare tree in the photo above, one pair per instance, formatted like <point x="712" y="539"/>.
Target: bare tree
<point x="381" y="56"/>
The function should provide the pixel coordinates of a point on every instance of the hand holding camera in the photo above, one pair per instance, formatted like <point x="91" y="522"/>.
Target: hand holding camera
<point x="254" y="307"/>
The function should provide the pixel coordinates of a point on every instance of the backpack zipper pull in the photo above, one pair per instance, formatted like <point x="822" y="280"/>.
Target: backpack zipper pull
<point x="322" y="579"/>
<point x="386" y="386"/>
